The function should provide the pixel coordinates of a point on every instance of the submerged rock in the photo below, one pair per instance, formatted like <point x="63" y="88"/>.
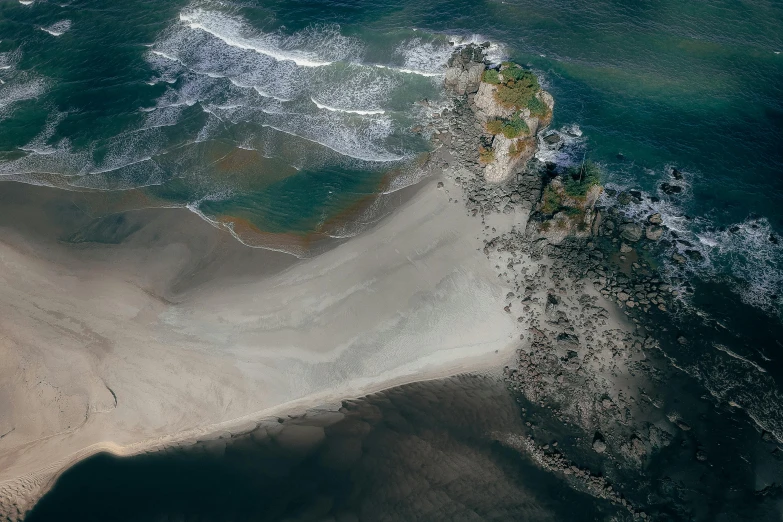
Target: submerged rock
<point x="552" y="138"/>
<point x="653" y="233"/>
<point x="631" y="232"/>
<point x="694" y="255"/>
<point x="669" y="189"/>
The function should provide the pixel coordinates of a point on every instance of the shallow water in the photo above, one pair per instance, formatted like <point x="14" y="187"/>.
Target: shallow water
<point x="427" y="451"/>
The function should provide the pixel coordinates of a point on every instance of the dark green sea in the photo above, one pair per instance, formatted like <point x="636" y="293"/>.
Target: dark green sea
<point x="284" y="116"/>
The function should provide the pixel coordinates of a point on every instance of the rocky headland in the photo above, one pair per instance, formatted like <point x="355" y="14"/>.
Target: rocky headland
<point x="598" y="318"/>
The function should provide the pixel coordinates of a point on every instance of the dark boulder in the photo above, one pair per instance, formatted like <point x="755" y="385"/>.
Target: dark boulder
<point x="631" y="232"/>
<point x="669" y="189"/>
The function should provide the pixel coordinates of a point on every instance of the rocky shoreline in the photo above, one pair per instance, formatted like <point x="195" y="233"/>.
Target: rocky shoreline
<point x="593" y="391"/>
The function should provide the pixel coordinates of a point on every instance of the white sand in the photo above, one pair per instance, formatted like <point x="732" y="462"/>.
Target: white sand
<point x="411" y="299"/>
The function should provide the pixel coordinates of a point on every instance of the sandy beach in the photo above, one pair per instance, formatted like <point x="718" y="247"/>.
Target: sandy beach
<point x="130" y="346"/>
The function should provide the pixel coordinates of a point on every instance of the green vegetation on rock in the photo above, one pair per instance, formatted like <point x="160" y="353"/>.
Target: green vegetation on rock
<point x="491" y="76"/>
<point x="510" y="127"/>
<point x="551" y="200"/>
<point x="516" y="87"/>
<point x="486" y="154"/>
<point x="568" y="195"/>
<point x="537" y="108"/>
<point x="516" y="148"/>
<point x="577" y="181"/>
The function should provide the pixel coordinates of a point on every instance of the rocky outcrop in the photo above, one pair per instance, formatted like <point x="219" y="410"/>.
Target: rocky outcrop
<point x="510" y="126"/>
<point x="590" y="305"/>
<point x="465" y="68"/>
<point x="487" y="107"/>
<point x="507" y="155"/>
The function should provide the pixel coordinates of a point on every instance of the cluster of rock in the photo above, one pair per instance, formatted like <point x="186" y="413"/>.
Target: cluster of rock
<point x="502" y="155"/>
<point x="550" y="459"/>
<point x="457" y="132"/>
<point x="465" y="68"/>
<point x="574" y="362"/>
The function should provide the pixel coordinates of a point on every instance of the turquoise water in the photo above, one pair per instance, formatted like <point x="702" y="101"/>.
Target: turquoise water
<point x="287" y="113"/>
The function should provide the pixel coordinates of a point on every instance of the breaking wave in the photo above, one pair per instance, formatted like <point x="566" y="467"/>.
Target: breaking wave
<point x="58" y="28"/>
<point x="21" y="87"/>
<point x="234" y="32"/>
<point x="349" y="111"/>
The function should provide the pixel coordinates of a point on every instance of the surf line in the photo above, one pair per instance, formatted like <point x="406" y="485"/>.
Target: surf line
<point x="248" y="45"/>
<point x="411" y="71"/>
<point x="352" y="111"/>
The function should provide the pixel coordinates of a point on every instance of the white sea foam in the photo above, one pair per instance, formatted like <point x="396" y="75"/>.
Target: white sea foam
<point x="729" y="381"/>
<point x="58" y="28"/>
<point x="8" y="60"/>
<point x="748" y="251"/>
<point x="253" y="85"/>
<point x="167" y="66"/>
<point x="348" y="111"/>
<point x="164" y="116"/>
<point x="426" y="58"/>
<point x="751" y="254"/>
<point x="166" y="56"/>
<point x="203" y="54"/>
<point x="40" y="144"/>
<point x="353" y="143"/>
<point x="747" y="361"/>
<point x="221" y="76"/>
<point x="358" y="90"/>
<point x="269" y="95"/>
<point x="565" y="153"/>
<point x="23" y="87"/>
<point x="233" y="32"/>
<point x="496" y="52"/>
<point x="411" y="71"/>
